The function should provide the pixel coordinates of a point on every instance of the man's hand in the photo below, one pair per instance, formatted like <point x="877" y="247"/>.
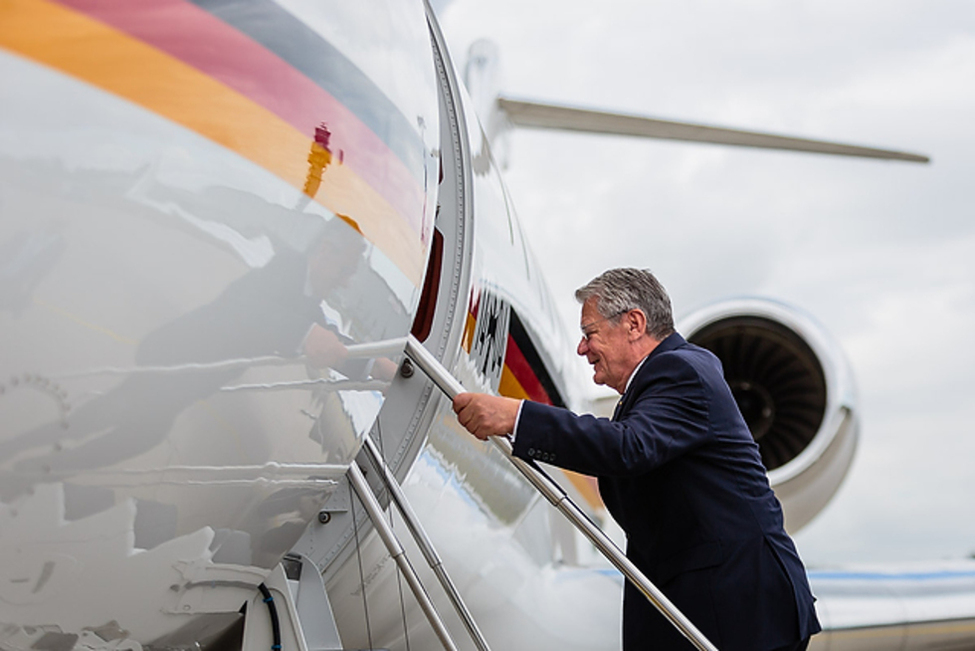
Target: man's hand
<point x="323" y="348"/>
<point x="485" y="415"/>
<point x="383" y="369"/>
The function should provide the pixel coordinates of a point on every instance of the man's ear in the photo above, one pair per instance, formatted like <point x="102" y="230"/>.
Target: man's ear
<point x="636" y="322"/>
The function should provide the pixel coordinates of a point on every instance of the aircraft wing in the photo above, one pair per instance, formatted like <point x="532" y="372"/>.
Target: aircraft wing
<point x="554" y="116"/>
<point x="908" y="606"/>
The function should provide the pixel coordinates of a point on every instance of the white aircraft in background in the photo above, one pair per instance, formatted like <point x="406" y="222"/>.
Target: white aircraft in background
<point x="218" y="222"/>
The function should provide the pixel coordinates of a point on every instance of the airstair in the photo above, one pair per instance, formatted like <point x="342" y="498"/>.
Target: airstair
<point x="304" y="620"/>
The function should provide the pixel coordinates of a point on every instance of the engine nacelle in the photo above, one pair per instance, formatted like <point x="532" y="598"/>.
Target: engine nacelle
<point x="796" y="391"/>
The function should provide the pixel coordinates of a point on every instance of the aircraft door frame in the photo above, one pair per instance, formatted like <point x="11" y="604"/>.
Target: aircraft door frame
<point x="412" y="400"/>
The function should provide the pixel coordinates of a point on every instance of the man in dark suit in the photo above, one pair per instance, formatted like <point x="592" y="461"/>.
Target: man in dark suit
<point x="678" y="470"/>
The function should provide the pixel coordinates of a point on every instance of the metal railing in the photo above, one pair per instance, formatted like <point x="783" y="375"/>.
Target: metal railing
<point x="395" y="549"/>
<point x="425" y="545"/>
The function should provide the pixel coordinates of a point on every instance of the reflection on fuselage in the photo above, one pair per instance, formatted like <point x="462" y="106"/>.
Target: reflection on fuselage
<point x="182" y="274"/>
<point x="272" y="310"/>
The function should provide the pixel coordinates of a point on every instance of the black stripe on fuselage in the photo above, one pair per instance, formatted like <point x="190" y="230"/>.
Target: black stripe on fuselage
<point x="316" y="58"/>
<point x="527" y="348"/>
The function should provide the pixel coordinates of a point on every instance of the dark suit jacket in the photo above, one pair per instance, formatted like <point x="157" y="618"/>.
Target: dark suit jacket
<point x="679" y="471"/>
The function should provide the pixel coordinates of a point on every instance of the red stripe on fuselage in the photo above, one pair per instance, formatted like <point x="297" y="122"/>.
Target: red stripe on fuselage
<point x="524" y="373"/>
<point x="204" y="42"/>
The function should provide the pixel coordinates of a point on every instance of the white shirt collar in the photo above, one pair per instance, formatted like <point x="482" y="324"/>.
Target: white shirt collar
<point x="629" y="380"/>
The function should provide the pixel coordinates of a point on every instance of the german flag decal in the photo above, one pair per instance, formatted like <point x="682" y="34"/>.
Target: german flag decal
<point x="494" y="332"/>
<point x="525" y="375"/>
<point x="252" y="78"/>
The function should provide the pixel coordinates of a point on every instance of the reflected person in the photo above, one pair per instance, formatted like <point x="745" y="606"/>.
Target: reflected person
<point x="271" y="310"/>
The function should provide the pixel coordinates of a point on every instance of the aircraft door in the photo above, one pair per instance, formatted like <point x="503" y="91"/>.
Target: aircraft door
<point x="411" y="401"/>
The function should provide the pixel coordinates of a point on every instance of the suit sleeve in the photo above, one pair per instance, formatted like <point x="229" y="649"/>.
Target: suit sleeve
<point x="668" y="418"/>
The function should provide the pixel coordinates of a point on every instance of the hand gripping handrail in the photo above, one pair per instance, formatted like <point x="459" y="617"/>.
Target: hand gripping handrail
<point x="554" y="494"/>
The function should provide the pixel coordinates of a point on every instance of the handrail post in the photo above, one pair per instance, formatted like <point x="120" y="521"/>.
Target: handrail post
<point x="424" y="543"/>
<point x="395" y="549"/>
<point x="554" y="493"/>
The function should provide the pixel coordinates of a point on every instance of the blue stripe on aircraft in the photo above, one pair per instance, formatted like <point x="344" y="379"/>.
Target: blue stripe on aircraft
<point x="829" y="575"/>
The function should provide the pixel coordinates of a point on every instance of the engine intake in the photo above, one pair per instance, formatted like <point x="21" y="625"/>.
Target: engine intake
<point x="795" y="391"/>
<point x="776" y="379"/>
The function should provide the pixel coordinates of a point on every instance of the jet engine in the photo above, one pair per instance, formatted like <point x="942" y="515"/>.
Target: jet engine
<point x="795" y="390"/>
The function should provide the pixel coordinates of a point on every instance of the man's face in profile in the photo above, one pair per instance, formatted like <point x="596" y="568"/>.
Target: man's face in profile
<point x="604" y="345"/>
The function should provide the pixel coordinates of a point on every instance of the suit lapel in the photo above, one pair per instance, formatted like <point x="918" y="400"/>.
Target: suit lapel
<point x="643" y="374"/>
<point x="618" y="408"/>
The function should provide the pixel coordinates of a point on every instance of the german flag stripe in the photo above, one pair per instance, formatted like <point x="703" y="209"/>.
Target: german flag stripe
<point x="510" y="387"/>
<point x="269" y="24"/>
<point x="200" y="39"/>
<point x="524" y="375"/>
<point x="518" y="367"/>
<point x="115" y="61"/>
<point x="520" y="380"/>
<point x="532" y="361"/>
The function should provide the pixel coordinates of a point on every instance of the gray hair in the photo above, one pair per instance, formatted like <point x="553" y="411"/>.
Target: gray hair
<point x="620" y="290"/>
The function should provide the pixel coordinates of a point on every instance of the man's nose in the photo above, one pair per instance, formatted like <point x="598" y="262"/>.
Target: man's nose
<point x="583" y="347"/>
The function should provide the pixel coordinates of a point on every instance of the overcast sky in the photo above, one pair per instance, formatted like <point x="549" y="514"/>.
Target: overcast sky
<point x="882" y="253"/>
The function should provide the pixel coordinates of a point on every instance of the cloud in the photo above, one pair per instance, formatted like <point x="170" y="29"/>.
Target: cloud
<point x="881" y="253"/>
